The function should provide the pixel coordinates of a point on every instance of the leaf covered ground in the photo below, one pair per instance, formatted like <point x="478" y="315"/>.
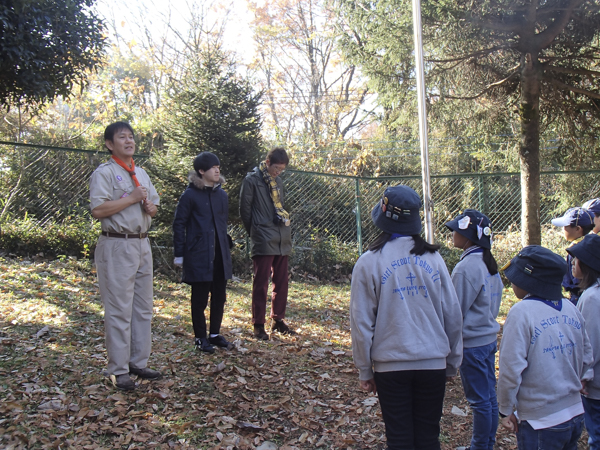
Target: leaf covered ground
<point x="296" y="392"/>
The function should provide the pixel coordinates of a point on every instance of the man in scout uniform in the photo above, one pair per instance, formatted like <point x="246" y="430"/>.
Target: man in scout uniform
<point x="124" y="200"/>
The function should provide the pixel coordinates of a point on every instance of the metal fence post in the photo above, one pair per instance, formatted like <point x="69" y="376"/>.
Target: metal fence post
<point x="358" y="217"/>
<point x="481" y="192"/>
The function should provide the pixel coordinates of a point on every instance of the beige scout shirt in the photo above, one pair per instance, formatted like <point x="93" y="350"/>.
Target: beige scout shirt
<point x="111" y="182"/>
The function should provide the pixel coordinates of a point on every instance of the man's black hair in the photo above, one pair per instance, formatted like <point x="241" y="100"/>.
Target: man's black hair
<point x="114" y="128"/>
<point x="278" y="155"/>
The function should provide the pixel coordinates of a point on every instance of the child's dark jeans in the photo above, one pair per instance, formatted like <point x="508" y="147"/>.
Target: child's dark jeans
<point x="592" y="421"/>
<point x="478" y="375"/>
<point x="563" y="436"/>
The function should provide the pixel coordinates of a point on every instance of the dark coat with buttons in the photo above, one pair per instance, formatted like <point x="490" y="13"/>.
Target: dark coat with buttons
<point x="267" y="235"/>
<point x="200" y="219"/>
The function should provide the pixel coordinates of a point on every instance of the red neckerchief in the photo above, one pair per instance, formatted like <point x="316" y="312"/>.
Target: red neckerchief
<point x="130" y="171"/>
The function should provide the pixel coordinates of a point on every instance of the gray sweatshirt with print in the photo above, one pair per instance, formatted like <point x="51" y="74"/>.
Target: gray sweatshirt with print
<point x="589" y="305"/>
<point x="404" y="314"/>
<point x="479" y="295"/>
<point x="544" y="354"/>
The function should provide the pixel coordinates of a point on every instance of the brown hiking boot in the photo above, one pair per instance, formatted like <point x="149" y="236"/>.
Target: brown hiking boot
<point x="281" y="326"/>
<point x="259" y="332"/>
<point x="123" y="382"/>
<point x="145" y="373"/>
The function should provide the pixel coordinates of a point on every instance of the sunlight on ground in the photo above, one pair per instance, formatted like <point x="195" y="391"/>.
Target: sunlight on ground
<point x="297" y="392"/>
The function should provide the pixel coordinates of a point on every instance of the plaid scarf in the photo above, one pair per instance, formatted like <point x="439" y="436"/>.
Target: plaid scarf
<point x="282" y="214"/>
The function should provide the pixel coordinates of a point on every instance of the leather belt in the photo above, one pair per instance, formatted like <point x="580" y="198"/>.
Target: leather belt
<point x="125" y="236"/>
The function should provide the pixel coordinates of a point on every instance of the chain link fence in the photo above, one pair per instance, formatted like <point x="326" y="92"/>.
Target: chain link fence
<point x="46" y="184"/>
<point x="43" y="187"/>
<point x="334" y="206"/>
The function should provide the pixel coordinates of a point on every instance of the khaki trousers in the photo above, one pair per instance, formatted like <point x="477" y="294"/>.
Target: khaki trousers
<point x="124" y="269"/>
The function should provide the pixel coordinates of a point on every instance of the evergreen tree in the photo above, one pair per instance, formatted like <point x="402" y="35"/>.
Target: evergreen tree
<point x="211" y="109"/>
<point x="534" y="61"/>
<point x="46" y="47"/>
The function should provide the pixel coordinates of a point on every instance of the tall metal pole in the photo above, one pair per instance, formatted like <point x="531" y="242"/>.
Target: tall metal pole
<point x="427" y="203"/>
<point x="358" y="218"/>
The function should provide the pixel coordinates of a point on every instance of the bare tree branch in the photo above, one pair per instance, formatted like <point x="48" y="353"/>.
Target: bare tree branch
<point x="593" y="73"/>
<point x="545" y="38"/>
<point x="476" y="54"/>
<point x="566" y="87"/>
<point x="487" y="89"/>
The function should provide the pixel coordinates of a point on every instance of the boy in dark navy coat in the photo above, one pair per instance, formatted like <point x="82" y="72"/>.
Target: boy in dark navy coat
<point x="201" y="247"/>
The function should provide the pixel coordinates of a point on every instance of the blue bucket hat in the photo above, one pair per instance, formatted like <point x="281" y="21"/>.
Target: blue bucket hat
<point x="592" y="205"/>
<point x="576" y="217"/>
<point x="473" y="225"/>
<point x="398" y="211"/>
<point x="538" y="271"/>
<point x="587" y="251"/>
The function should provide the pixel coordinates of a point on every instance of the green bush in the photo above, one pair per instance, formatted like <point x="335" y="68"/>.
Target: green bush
<point x="450" y="255"/>
<point x="74" y="236"/>
<point x="324" y="259"/>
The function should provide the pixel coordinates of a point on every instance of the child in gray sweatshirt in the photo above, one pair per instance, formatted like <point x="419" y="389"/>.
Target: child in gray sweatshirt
<point x="479" y="289"/>
<point x="586" y="268"/>
<point x="544" y="354"/>
<point x="406" y="323"/>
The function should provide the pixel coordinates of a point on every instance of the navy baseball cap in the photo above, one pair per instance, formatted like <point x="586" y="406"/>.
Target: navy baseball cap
<point x="398" y="211"/>
<point x="587" y="251"/>
<point x="473" y="225"/>
<point x="576" y="217"/>
<point x="592" y="205"/>
<point x="538" y="271"/>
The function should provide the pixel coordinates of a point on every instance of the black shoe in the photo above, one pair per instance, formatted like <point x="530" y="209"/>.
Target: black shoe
<point x="203" y="345"/>
<point x="280" y="325"/>
<point x="220" y="341"/>
<point x="259" y="332"/>
<point x="123" y="382"/>
<point x="145" y="373"/>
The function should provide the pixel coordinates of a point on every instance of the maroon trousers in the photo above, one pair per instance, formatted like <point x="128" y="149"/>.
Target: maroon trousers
<point x="275" y="266"/>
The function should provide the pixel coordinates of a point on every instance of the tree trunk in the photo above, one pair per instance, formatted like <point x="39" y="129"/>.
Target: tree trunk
<point x="529" y="151"/>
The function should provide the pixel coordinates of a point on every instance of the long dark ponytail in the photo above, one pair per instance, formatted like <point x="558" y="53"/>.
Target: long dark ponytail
<point x="490" y="261"/>
<point x="420" y="245"/>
